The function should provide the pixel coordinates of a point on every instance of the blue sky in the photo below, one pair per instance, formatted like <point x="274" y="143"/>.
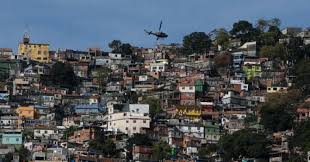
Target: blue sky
<point x="80" y="24"/>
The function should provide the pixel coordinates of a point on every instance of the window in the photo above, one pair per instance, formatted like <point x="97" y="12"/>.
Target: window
<point x="127" y="121"/>
<point x="134" y="121"/>
<point x="269" y="88"/>
<point x="144" y="121"/>
<point x="134" y="128"/>
<point x="125" y="114"/>
<point x="17" y="139"/>
<point x="39" y="52"/>
<point x="126" y="128"/>
<point x="45" y="131"/>
<point x="191" y="88"/>
<point x="274" y="89"/>
<point x="160" y="68"/>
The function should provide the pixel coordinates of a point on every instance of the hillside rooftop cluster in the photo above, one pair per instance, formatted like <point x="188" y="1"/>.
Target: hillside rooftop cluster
<point x="237" y="95"/>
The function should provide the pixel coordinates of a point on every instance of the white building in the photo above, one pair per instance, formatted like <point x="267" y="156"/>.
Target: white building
<point x="44" y="133"/>
<point x="128" y="122"/>
<point x="187" y="88"/>
<point x="192" y="130"/>
<point x="158" y="67"/>
<point x="128" y="118"/>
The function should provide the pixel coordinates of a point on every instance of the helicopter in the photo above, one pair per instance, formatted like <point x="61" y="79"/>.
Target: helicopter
<point x="158" y="34"/>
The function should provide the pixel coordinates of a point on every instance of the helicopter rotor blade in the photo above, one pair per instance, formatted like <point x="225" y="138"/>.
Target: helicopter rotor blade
<point x="161" y="22"/>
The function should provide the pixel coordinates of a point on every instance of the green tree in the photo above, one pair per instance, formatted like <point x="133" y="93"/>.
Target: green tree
<point x="244" y="31"/>
<point x="115" y="45"/>
<point x="278" y="113"/>
<point x="244" y="143"/>
<point x="8" y="157"/>
<point x="222" y="38"/>
<point x="161" y="151"/>
<point x="208" y="150"/>
<point x="59" y="111"/>
<point x="106" y="147"/>
<point x="69" y="132"/>
<point x="303" y="76"/>
<point x="62" y="75"/>
<point x="196" y="42"/>
<point x="154" y="104"/>
<point x="271" y="37"/>
<point x="102" y="75"/>
<point x="139" y="140"/>
<point x="24" y="153"/>
<point x="275" y="22"/>
<point x="262" y="24"/>
<point x="301" y="138"/>
<point x="279" y="51"/>
<point x="118" y="47"/>
<point x="126" y="49"/>
<point x="296" y="49"/>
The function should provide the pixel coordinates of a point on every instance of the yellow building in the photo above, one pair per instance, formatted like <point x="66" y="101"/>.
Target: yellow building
<point x="35" y="51"/>
<point x="26" y="112"/>
<point x="275" y="89"/>
<point x="190" y="112"/>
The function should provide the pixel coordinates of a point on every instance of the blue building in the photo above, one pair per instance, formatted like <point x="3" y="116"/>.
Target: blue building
<point x="11" y="137"/>
<point x="89" y="108"/>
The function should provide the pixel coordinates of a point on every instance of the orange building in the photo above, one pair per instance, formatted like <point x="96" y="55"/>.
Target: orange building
<point x="26" y="112"/>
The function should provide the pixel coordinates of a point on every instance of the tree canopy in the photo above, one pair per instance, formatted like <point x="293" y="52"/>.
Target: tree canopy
<point x="303" y="76"/>
<point x="278" y="113"/>
<point x="301" y="136"/>
<point x="155" y="106"/>
<point x="62" y="75"/>
<point x="278" y="51"/>
<point x="102" y="75"/>
<point x="244" y="31"/>
<point x="196" y="42"/>
<point x="222" y="38"/>
<point x="118" y="47"/>
<point x="244" y="143"/>
<point x="161" y="150"/>
<point x="139" y="140"/>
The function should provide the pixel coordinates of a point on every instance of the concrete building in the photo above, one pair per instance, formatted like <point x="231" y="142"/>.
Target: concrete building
<point x="34" y="51"/>
<point x="11" y="137"/>
<point x="128" y="118"/>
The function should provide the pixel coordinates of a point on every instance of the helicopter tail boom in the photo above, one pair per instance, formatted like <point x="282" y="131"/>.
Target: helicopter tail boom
<point x="148" y="32"/>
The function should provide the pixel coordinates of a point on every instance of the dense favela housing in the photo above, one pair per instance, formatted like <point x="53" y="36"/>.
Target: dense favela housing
<point x="238" y="94"/>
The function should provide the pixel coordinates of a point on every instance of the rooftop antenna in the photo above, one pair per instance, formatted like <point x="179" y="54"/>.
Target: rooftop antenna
<point x="26" y="37"/>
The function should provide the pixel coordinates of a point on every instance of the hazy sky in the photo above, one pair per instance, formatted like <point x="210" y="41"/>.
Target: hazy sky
<point x="79" y="24"/>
